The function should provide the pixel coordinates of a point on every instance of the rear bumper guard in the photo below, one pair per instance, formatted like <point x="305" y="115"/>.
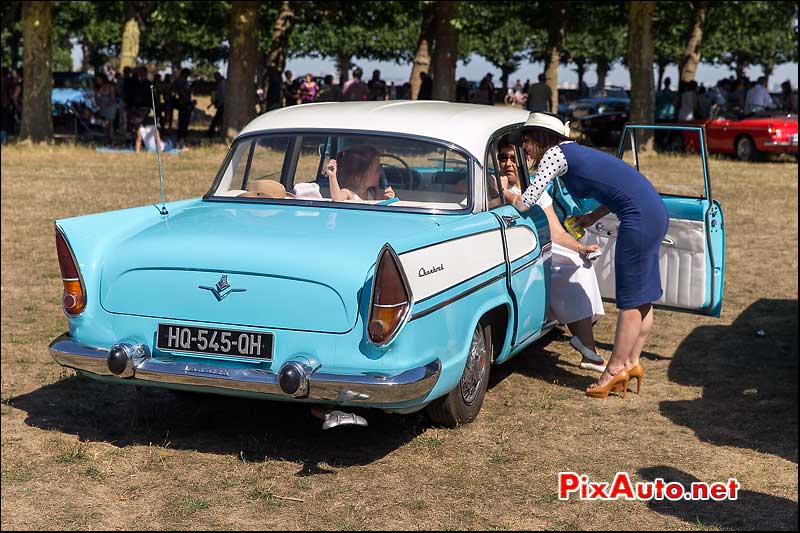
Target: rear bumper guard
<point x="369" y="388"/>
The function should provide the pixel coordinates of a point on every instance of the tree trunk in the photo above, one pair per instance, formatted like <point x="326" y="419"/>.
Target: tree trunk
<point x="445" y="52"/>
<point x="281" y="31"/>
<point x="240" y="94"/>
<point x="37" y="60"/>
<point x="690" y="57"/>
<point x="580" y="68"/>
<point x="86" y="52"/>
<point x="422" y="58"/>
<point x="602" y="71"/>
<point x="343" y="64"/>
<point x="130" y="43"/>
<point x="505" y="73"/>
<point x="640" y="63"/>
<point x="768" y="69"/>
<point x="552" y="53"/>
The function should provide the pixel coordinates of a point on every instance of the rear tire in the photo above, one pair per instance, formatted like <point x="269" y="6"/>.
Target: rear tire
<point x="462" y="404"/>
<point x="746" y="149"/>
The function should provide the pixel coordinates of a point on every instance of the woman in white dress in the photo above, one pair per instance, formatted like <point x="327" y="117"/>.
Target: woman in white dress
<point x="574" y="293"/>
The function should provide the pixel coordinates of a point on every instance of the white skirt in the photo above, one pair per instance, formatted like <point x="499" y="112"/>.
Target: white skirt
<point x="574" y="292"/>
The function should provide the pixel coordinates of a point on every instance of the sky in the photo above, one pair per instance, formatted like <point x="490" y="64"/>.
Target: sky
<point x="477" y="68"/>
<point x="567" y="77"/>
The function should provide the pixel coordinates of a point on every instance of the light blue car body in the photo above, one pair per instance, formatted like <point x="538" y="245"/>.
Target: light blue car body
<point x="308" y="271"/>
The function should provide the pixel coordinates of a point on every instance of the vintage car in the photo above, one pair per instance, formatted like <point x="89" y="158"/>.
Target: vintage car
<point x="399" y="304"/>
<point x="748" y="137"/>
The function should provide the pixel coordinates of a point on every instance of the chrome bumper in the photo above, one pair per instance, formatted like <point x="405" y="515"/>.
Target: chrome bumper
<point x="372" y="388"/>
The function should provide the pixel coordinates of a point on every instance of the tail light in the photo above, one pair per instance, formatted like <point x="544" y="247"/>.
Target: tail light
<point x="391" y="298"/>
<point x="74" y="299"/>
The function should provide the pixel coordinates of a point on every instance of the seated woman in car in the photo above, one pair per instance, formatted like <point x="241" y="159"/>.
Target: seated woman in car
<point x="574" y="293"/>
<point x="359" y="169"/>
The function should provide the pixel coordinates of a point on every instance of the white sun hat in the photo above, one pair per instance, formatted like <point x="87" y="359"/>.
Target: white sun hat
<point x="549" y="122"/>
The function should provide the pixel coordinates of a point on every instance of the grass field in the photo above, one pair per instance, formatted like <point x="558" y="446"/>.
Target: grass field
<point x="717" y="400"/>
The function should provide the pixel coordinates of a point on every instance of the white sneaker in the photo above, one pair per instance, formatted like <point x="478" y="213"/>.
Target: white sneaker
<point x="591" y="366"/>
<point x="586" y="352"/>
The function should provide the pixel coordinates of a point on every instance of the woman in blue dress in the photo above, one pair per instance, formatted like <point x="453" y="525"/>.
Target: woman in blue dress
<point x="622" y="190"/>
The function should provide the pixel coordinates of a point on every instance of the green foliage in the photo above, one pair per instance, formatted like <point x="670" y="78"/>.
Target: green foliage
<point x="11" y="14"/>
<point x="670" y="23"/>
<point x="178" y="31"/>
<point x="596" y="32"/>
<point x="751" y="33"/>
<point x="383" y="31"/>
<point x="97" y="25"/>
<point x="500" y="32"/>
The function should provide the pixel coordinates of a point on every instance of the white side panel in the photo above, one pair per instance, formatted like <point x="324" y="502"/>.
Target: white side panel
<point x="682" y="263"/>
<point x="521" y="241"/>
<point x="438" y="267"/>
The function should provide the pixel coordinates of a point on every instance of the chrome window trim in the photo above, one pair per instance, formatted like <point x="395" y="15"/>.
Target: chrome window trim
<point x="469" y="157"/>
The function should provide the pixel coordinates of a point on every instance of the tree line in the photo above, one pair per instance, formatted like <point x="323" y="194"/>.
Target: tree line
<point x="431" y="36"/>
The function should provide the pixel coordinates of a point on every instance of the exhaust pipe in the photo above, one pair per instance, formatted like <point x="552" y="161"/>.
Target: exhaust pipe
<point x="125" y="356"/>
<point x="332" y="419"/>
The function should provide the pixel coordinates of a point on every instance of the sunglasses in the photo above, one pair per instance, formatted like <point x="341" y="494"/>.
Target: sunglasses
<point x="502" y="158"/>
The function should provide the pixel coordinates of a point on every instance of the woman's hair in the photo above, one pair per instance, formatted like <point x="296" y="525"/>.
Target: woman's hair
<point x="353" y="164"/>
<point x="542" y="141"/>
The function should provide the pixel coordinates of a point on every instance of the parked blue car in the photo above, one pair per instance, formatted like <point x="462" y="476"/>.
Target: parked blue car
<point x="399" y="298"/>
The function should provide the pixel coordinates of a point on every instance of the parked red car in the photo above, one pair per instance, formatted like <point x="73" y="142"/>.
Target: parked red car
<point x="746" y="137"/>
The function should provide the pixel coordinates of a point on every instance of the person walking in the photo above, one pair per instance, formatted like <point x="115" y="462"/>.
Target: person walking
<point x="218" y="101"/>
<point x="539" y="96"/>
<point x="377" y="87"/>
<point x="186" y="105"/>
<point x="425" y="87"/>
<point x="665" y="102"/>
<point x="355" y="90"/>
<point x="620" y="189"/>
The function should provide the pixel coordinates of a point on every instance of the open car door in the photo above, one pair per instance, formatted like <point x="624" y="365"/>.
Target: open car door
<point x="692" y="255"/>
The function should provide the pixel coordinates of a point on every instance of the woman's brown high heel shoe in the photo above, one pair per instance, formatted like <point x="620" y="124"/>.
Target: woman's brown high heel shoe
<point x="617" y="380"/>
<point x="636" y="372"/>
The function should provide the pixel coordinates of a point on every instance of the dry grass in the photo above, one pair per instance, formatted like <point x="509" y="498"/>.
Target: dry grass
<point x="717" y="401"/>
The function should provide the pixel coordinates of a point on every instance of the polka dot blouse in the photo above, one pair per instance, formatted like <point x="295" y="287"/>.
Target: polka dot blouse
<point x="552" y="165"/>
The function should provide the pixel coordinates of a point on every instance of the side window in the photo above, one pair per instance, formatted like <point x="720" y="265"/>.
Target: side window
<point x="494" y="197"/>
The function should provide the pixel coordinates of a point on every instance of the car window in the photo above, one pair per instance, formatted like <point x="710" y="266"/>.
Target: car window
<point x="371" y="170"/>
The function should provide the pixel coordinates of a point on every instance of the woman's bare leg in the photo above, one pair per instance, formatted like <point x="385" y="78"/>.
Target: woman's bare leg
<point x="629" y="327"/>
<point x="647" y="324"/>
<point x="583" y="330"/>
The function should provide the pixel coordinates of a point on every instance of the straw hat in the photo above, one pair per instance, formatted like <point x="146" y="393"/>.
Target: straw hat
<point x="266" y="189"/>
<point x="549" y="122"/>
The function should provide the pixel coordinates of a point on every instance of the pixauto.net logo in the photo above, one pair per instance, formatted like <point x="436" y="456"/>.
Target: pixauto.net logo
<point x="621" y="488"/>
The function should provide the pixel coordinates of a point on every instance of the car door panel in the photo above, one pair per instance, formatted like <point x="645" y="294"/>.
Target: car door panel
<point x="692" y="253"/>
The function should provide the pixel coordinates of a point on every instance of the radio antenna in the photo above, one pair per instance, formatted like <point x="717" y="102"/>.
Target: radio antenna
<point x="158" y="152"/>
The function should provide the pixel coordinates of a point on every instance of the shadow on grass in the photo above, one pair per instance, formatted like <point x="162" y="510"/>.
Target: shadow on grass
<point x="749" y="382"/>
<point x="751" y="511"/>
<point x="255" y="430"/>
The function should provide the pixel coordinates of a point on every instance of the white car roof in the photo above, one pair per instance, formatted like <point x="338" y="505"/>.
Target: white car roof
<point x="467" y="125"/>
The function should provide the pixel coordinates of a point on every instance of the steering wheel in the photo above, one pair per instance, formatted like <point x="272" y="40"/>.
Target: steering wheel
<point x="402" y="162"/>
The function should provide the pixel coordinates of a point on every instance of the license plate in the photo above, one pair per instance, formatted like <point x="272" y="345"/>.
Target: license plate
<point x="215" y="341"/>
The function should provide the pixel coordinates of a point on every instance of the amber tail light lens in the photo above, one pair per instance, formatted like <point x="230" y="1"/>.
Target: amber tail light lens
<point x="391" y="299"/>
<point x="74" y="299"/>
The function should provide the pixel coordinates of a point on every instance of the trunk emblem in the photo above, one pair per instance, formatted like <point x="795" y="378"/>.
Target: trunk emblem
<point x="221" y="289"/>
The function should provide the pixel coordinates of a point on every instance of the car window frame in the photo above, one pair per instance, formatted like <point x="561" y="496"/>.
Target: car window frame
<point x="469" y="158"/>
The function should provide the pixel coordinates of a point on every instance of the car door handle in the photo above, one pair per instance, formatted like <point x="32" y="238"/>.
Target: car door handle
<point x="667" y="241"/>
<point x="510" y="220"/>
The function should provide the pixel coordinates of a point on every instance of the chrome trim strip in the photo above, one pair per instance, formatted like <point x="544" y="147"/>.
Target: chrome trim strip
<point x="367" y="388"/>
<point x="457" y="297"/>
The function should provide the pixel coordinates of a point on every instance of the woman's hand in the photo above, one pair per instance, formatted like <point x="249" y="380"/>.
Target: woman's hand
<point x="584" y="250"/>
<point x="388" y="193"/>
<point x="330" y="169"/>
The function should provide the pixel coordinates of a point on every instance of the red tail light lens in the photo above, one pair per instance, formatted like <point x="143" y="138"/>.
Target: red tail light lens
<point x="390" y="299"/>
<point x="74" y="299"/>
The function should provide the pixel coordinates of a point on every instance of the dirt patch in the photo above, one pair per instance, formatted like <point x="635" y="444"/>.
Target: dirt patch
<point x="718" y="401"/>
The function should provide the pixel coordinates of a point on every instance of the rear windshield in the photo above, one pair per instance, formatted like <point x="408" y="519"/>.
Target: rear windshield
<point x="377" y="171"/>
